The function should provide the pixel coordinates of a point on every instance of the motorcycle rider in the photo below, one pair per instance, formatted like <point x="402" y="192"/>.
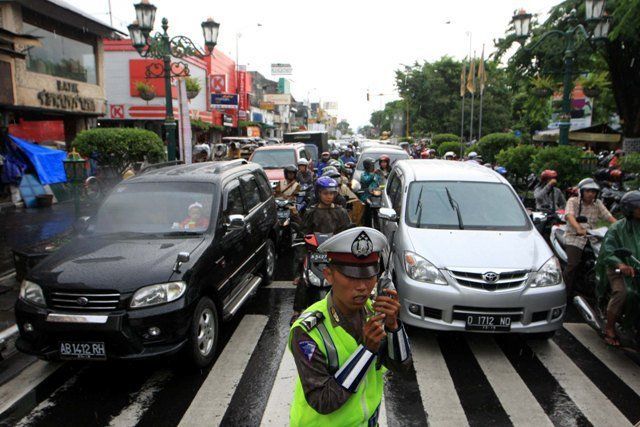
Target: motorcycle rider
<point x="385" y="167"/>
<point x="582" y="213"/>
<point x="288" y="187"/>
<point x="623" y="234"/>
<point x="369" y="178"/>
<point x="335" y="155"/>
<point x="304" y="175"/>
<point x="449" y="155"/>
<point x="325" y="157"/>
<point x="219" y="152"/>
<point x="548" y="196"/>
<point x="348" y="157"/>
<point x="616" y="159"/>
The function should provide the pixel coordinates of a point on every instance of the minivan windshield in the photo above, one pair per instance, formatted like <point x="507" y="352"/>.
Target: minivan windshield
<point x="274" y="159"/>
<point x="157" y="207"/>
<point x="464" y="205"/>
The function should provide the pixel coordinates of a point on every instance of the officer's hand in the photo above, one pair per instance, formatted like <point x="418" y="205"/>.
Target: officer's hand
<point x="373" y="333"/>
<point x="626" y="270"/>
<point x="390" y="306"/>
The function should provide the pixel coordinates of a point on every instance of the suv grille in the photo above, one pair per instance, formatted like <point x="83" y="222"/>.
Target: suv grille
<point x="94" y="300"/>
<point x="506" y="280"/>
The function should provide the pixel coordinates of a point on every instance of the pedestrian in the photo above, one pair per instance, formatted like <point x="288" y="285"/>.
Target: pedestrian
<point x="343" y="344"/>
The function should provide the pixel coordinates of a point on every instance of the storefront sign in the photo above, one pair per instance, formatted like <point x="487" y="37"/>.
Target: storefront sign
<point x="218" y="83"/>
<point x="66" y="98"/>
<point x="278" y="99"/>
<point x="267" y="106"/>
<point x="227" y="120"/>
<point x="281" y="69"/>
<point x="224" y="101"/>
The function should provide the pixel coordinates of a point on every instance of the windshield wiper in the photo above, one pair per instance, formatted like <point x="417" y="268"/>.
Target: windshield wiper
<point x="124" y="234"/>
<point x="455" y="207"/>
<point x="419" y="208"/>
<point x="182" y="233"/>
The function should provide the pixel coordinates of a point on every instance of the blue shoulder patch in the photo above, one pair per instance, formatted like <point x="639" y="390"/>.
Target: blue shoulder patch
<point x="308" y="348"/>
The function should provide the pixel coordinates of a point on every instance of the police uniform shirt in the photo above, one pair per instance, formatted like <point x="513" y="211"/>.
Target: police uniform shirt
<point x="322" y="392"/>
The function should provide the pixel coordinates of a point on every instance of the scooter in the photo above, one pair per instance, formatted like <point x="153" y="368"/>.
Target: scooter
<point x="544" y="220"/>
<point x="628" y="325"/>
<point x="303" y="197"/>
<point x="314" y="262"/>
<point x="287" y="228"/>
<point x="373" y="203"/>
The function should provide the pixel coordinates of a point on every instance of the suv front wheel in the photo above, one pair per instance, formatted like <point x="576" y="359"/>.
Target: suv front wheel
<point x="269" y="265"/>
<point x="203" y="334"/>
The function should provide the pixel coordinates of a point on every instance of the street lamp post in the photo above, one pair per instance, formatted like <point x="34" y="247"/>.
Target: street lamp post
<point x="74" y="169"/>
<point x="572" y="39"/>
<point x="162" y="46"/>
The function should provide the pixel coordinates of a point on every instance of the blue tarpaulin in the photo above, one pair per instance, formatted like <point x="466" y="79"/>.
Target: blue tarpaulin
<point x="46" y="161"/>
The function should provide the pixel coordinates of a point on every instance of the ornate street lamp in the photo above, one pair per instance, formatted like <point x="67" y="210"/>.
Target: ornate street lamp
<point x="572" y="39"/>
<point x="161" y="46"/>
<point x="75" y="170"/>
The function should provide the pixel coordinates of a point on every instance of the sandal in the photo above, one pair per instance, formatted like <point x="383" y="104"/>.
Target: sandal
<point x="611" y="340"/>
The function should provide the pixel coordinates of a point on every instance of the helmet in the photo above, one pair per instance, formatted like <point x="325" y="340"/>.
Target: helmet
<point x="472" y="155"/>
<point x="335" y="163"/>
<point x="588" y="184"/>
<point x="326" y="183"/>
<point x="501" y="170"/>
<point x="630" y="202"/>
<point x="350" y="165"/>
<point x="290" y="168"/>
<point x="331" y="172"/>
<point x="325" y="154"/>
<point x="548" y="174"/>
<point x="615" y="175"/>
<point x="386" y="158"/>
<point x="303" y="162"/>
<point x="334" y="153"/>
<point x="619" y="151"/>
<point x="449" y="154"/>
<point x="424" y="154"/>
<point x="368" y="163"/>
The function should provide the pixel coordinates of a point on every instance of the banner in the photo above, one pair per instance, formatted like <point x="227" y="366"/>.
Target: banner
<point x="224" y="101"/>
<point x="281" y="69"/>
<point x="185" y="123"/>
<point x="242" y="90"/>
<point x="278" y="99"/>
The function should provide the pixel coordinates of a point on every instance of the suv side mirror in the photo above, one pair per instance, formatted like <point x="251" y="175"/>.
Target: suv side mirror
<point x="236" y="221"/>
<point x="388" y="214"/>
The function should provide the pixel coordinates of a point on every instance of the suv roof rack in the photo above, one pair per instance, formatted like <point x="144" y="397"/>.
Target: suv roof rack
<point x="157" y="166"/>
<point x="230" y="164"/>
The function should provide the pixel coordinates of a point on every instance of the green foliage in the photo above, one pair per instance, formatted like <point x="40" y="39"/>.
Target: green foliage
<point x="490" y="145"/>
<point x="454" y="146"/>
<point x="192" y="84"/>
<point x="200" y="125"/>
<point x="439" y="138"/>
<point x="144" y="87"/>
<point x="564" y="159"/>
<point x="343" y="127"/>
<point x="119" y="147"/>
<point x="546" y="82"/>
<point x="631" y="163"/>
<point x="594" y="81"/>
<point x="382" y="119"/>
<point x="517" y="159"/>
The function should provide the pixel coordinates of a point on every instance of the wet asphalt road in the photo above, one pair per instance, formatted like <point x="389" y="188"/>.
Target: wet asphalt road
<point x="456" y="379"/>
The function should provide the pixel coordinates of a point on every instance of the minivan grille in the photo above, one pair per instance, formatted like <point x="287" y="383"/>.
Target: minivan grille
<point x="84" y="301"/>
<point x="506" y="280"/>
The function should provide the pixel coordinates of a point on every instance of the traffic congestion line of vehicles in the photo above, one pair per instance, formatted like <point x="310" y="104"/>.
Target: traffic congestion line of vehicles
<point x="175" y="251"/>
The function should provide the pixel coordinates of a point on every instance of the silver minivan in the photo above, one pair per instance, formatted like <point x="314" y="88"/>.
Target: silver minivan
<point x="465" y="254"/>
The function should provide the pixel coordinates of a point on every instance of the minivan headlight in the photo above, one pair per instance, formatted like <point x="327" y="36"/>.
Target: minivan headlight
<point x="549" y="274"/>
<point x="158" y="294"/>
<point x="32" y="293"/>
<point x="422" y="270"/>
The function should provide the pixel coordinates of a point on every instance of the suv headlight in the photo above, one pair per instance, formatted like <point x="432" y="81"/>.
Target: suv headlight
<point x="422" y="270"/>
<point x="32" y="293"/>
<point x="158" y="294"/>
<point x="549" y="274"/>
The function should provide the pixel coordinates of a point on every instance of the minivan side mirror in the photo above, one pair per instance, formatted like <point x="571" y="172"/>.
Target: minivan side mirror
<point x="236" y="221"/>
<point x="388" y="214"/>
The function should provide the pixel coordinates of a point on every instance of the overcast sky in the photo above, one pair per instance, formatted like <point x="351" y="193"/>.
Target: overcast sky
<point x="338" y="49"/>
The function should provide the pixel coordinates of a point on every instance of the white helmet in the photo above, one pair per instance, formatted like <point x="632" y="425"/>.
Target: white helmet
<point x="303" y="162"/>
<point x="472" y="155"/>
<point x="449" y="154"/>
<point x="588" y="184"/>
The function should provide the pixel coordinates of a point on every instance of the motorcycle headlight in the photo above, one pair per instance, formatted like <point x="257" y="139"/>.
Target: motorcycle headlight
<point x="32" y="293"/>
<point x="422" y="270"/>
<point x="158" y="294"/>
<point x="313" y="279"/>
<point x="549" y="274"/>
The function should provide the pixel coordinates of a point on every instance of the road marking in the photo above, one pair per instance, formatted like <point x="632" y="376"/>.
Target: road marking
<point x="617" y="362"/>
<point x="49" y="402"/>
<point x="281" y="285"/>
<point x="279" y="404"/>
<point x="588" y="398"/>
<point x="18" y="387"/>
<point x="211" y="402"/>
<point x="516" y="399"/>
<point x="141" y="400"/>
<point x="439" y="396"/>
<point x="382" y="417"/>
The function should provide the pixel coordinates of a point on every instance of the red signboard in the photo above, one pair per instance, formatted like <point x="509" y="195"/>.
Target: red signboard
<point x="138" y="73"/>
<point x="242" y="90"/>
<point x="116" y="111"/>
<point x="218" y="83"/>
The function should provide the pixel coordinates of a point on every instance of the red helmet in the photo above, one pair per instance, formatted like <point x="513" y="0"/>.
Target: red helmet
<point x="619" y="151"/>
<point x="615" y="175"/>
<point x="384" y="158"/>
<point x="548" y="174"/>
<point x="424" y="154"/>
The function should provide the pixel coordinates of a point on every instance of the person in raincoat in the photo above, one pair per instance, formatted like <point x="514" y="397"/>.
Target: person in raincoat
<point x="369" y="178"/>
<point x="624" y="234"/>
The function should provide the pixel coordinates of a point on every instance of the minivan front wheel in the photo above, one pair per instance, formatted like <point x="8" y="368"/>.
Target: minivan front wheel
<point x="203" y="335"/>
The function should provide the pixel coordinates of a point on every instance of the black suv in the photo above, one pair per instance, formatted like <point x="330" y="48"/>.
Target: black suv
<point x="170" y="253"/>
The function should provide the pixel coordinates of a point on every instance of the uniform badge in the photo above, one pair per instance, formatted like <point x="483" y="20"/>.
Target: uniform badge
<point x="362" y="246"/>
<point x="334" y="313"/>
<point x="307" y="348"/>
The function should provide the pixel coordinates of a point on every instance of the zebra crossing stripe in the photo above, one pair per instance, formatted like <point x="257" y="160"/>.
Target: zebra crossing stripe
<point x="18" y="387"/>
<point x="439" y="396"/>
<point x="618" y="363"/>
<point x="515" y="397"/>
<point x="277" y="411"/>
<point x="210" y="404"/>
<point x="141" y="400"/>
<point x="599" y="410"/>
<point x="281" y="284"/>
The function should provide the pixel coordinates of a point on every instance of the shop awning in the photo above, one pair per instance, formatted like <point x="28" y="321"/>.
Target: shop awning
<point x="46" y="161"/>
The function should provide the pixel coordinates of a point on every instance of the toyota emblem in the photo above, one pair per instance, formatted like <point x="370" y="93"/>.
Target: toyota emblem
<point x="83" y="301"/>
<point x="491" y="277"/>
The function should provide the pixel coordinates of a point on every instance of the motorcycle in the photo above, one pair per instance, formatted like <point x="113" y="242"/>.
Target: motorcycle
<point x="628" y="325"/>
<point x="544" y="220"/>
<point x="287" y="228"/>
<point x="303" y="198"/>
<point x="314" y="262"/>
<point x="585" y="281"/>
<point x="373" y="203"/>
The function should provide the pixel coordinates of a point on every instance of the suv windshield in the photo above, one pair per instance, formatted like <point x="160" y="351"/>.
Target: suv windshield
<point x="274" y="159"/>
<point x="156" y="207"/>
<point x="393" y="155"/>
<point x="468" y="205"/>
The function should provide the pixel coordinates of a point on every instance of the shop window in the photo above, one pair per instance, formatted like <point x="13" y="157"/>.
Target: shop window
<point x="61" y="56"/>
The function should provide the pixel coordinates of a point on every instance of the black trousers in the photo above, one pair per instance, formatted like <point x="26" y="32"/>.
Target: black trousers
<point x="574" y="256"/>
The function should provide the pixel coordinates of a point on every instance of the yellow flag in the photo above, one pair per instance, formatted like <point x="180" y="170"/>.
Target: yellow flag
<point x="462" y="80"/>
<point x="471" y="84"/>
<point x="482" y="74"/>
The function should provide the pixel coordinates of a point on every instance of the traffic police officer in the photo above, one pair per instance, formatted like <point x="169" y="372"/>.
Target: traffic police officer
<point x="343" y="344"/>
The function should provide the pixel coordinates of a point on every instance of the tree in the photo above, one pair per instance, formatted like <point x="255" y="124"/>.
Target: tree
<point x="444" y="137"/>
<point x="490" y="145"/>
<point x="382" y="119"/>
<point x="119" y="147"/>
<point x="564" y="159"/>
<point x="517" y="160"/>
<point x="454" y="146"/>
<point x="343" y="127"/>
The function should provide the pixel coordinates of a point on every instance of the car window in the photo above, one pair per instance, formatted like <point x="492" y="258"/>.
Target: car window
<point x="302" y="154"/>
<point x="250" y="192"/>
<point x="234" y="205"/>
<point x="399" y="195"/>
<point x="263" y="185"/>
<point x="394" y="191"/>
<point x="274" y="159"/>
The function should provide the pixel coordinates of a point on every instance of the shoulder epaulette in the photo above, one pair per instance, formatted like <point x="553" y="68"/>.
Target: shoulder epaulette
<point x="311" y="319"/>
